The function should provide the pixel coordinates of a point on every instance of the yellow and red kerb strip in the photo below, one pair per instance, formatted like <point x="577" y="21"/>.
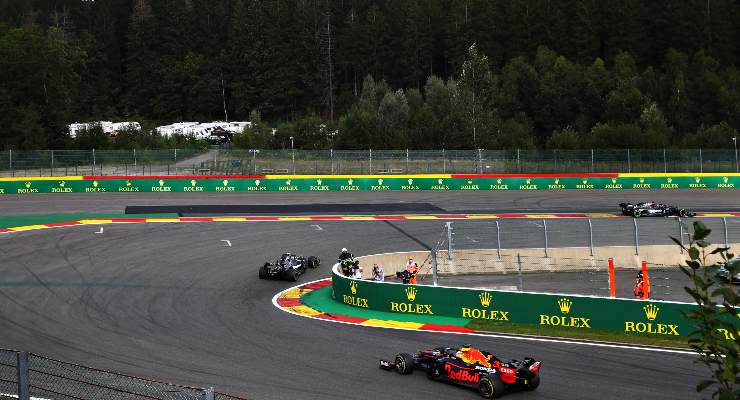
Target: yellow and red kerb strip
<point x="327" y="218"/>
<point x="290" y="300"/>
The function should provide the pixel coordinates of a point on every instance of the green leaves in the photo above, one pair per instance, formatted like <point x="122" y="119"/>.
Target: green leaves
<point x="717" y="335"/>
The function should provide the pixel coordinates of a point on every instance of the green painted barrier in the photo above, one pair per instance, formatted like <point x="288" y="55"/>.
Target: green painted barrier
<point x="626" y="316"/>
<point x="275" y="184"/>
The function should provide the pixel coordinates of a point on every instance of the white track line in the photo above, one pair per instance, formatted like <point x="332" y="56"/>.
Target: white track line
<point x="491" y="335"/>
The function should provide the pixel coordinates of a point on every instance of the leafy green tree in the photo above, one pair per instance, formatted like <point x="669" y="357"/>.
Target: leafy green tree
<point x="393" y="117"/>
<point x="718" y="136"/>
<point x="717" y="335"/>
<point x="566" y="138"/>
<point x="474" y="88"/>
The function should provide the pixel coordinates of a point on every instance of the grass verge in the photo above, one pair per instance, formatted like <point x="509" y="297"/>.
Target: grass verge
<point x="590" y="334"/>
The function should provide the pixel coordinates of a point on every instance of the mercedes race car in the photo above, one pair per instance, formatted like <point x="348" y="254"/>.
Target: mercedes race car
<point x="469" y="367"/>
<point x="652" y="209"/>
<point x="724" y="274"/>
<point x="288" y="266"/>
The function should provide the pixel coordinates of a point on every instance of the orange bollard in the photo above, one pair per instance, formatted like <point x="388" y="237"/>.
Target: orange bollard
<point x="612" y="281"/>
<point x="646" y="282"/>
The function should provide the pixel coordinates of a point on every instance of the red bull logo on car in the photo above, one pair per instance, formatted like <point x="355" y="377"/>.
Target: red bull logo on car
<point x="475" y="356"/>
<point x="461" y="375"/>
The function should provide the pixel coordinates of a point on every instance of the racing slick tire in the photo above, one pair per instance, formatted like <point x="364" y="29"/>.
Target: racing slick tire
<point x="636" y="213"/>
<point x="404" y="363"/>
<point x="313" y="262"/>
<point x="291" y="275"/>
<point x="532" y="383"/>
<point x="683" y="213"/>
<point x="490" y="387"/>
<point x="263" y="272"/>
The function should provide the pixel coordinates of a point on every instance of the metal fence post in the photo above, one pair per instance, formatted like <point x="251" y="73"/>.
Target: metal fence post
<point x="175" y="157"/>
<point x="22" y="370"/>
<point x="590" y="237"/>
<point x="498" y="240"/>
<point x="10" y="162"/>
<point x="637" y="241"/>
<point x="407" y="161"/>
<point x="371" y="161"/>
<point x="52" y="163"/>
<point x="449" y="240"/>
<point x="592" y="160"/>
<point x="93" y="154"/>
<point x="209" y="394"/>
<point x="544" y="226"/>
<point x="518" y="165"/>
<point x="480" y="161"/>
<point x="629" y="162"/>
<point x="434" y="267"/>
<point x="665" y="163"/>
<point x="444" y="162"/>
<point x="134" y="157"/>
<point x="331" y="156"/>
<point x="701" y="163"/>
<point x="724" y="222"/>
<point x="680" y="233"/>
<point x="519" y="262"/>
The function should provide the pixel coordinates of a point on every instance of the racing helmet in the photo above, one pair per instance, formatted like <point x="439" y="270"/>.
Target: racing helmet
<point x="344" y="249"/>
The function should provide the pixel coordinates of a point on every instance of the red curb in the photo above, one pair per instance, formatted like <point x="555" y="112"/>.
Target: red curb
<point x="340" y="318"/>
<point x="390" y="217"/>
<point x="2" y="230"/>
<point x="135" y="220"/>
<point x="285" y="302"/>
<point x="598" y="175"/>
<point x="327" y="218"/>
<point x="316" y="285"/>
<point x="57" y="224"/>
<point x="157" y="177"/>
<point x="196" y="219"/>
<point x="445" y="328"/>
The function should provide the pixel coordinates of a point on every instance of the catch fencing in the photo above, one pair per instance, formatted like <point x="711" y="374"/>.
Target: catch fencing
<point x="30" y="376"/>
<point x="287" y="161"/>
<point x="568" y="255"/>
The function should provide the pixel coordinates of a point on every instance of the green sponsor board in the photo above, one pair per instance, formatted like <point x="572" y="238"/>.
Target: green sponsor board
<point x="323" y="184"/>
<point x="565" y="311"/>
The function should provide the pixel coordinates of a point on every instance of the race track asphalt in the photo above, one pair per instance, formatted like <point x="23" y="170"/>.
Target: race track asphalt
<point x="171" y="302"/>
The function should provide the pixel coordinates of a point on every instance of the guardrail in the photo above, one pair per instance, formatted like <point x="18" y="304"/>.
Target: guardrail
<point x="629" y="317"/>
<point x="324" y="183"/>
<point x="31" y="376"/>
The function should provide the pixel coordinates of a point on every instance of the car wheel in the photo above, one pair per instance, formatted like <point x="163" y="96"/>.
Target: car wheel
<point x="531" y="384"/>
<point x="490" y="387"/>
<point x="291" y="275"/>
<point x="313" y="262"/>
<point x="404" y="363"/>
<point x="263" y="272"/>
<point x="636" y="213"/>
<point x="682" y="213"/>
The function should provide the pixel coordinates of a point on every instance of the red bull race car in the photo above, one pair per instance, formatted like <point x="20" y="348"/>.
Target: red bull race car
<point x="469" y="367"/>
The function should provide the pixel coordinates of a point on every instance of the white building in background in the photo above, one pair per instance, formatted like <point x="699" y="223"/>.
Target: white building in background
<point x="109" y="127"/>
<point x="201" y="130"/>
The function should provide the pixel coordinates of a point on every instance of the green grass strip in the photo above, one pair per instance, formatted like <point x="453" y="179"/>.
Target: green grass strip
<point x="10" y="221"/>
<point x="321" y="300"/>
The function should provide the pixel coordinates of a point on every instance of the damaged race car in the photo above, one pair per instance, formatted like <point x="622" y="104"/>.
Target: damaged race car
<point x="469" y="367"/>
<point x="652" y="209"/>
<point x="288" y="267"/>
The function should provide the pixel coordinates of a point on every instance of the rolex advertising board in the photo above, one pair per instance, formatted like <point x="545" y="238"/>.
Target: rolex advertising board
<point x="656" y="318"/>
<point x="302" y="183"/>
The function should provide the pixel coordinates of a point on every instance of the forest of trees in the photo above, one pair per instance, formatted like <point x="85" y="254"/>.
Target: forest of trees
<point x="377" y="74"/>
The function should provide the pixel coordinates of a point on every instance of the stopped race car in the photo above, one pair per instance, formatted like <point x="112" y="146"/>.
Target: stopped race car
<point x="469" y="367"/>
<point x="652" y="209"/>
<point x="724" y="274"/>
<point x="288" y="266"/>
